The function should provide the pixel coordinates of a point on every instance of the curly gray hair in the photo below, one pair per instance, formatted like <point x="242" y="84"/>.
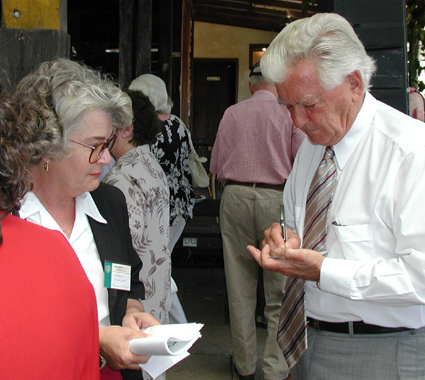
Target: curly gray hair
<point x="53" y="99"/>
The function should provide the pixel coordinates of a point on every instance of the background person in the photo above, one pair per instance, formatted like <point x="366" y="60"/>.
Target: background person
<point x="139" y="176"/>
<point x="34" y="292"/>
<point x="252" y="155"/>
<point x="68" y="114"/>
<point x="416" y="104"/>
<point x="172" y="150"/>
<point x="366" y="313"/>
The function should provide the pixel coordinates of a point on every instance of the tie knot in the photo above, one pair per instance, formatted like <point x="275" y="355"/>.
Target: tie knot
<point x="329" y="152"/>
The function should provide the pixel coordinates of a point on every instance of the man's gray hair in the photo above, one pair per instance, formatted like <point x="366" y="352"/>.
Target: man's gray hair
<point x="328" y="40"/>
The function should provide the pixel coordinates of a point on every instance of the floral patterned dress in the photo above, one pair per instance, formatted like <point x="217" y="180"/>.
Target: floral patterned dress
<point x="172" y="150"/>
<point x="139" y="176"/>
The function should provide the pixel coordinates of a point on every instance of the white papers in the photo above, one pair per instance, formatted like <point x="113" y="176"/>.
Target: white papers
<point x="168" y="344"/>
<point x="167" y="339"/>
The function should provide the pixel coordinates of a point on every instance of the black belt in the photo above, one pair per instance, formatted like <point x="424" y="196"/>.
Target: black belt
<point x="358" y="327"/>
<point x="252" y="184"/>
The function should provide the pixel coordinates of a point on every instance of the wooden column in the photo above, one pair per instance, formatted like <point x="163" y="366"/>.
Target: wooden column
<point x="143" y="38"/>
<point x="126" y="61"/>
<point x="187" y="43"/>
<point x="165" y="45"/>
<point x="31" y="32"/>
<point x="135" y="40"/>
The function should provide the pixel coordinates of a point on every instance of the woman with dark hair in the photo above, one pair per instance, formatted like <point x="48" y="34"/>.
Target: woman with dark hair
<point x="43" y="334"/>
<point x="140" y="177"/>
<point x="172" y="150"/>
<point x="68" y="115"/>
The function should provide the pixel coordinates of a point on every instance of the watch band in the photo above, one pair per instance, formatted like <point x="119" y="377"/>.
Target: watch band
<point x="102" y="362"/>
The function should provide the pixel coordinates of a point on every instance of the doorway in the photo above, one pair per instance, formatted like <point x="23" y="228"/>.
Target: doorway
<point x="214" y="90"/>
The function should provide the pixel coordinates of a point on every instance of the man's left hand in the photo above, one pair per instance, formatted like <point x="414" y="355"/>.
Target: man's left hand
<point x="303" y="263"/>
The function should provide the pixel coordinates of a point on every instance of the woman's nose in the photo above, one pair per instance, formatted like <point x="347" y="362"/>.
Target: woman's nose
<point x="106" y="158"/>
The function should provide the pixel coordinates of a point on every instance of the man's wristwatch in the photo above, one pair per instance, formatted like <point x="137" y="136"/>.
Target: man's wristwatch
<point x="102" y="362"/>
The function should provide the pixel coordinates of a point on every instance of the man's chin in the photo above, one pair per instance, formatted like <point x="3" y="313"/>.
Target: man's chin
<point x="318" y="140"/>
<point x="322" y="139"/>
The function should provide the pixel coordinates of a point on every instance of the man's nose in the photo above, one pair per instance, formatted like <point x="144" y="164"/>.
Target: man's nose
<point x="299" y="115"/>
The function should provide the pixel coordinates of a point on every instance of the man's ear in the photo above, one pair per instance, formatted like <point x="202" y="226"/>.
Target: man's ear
<point x="356" y="83"/>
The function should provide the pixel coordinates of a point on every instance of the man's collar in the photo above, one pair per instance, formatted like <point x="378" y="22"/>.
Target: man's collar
<point x="362" y="123"/>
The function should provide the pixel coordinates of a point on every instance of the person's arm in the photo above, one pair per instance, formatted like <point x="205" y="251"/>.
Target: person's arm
<point x="217" y="158"/>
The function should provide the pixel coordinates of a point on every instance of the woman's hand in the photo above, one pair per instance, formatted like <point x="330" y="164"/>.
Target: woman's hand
<point x="139" y="320"/>
<point x="114" y="339"/>
<point x="286" y="257"/>
<point x="114" y="347"/>
<point x="136" y="317"/>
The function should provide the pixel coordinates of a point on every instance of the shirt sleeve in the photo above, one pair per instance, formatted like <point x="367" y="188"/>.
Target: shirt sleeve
<point x="216" y="162"/>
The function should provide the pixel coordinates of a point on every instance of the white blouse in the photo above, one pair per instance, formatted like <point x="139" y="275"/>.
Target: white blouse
<point x="81" y="240"/>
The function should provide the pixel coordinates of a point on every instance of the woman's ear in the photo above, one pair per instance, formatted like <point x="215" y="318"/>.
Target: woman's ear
<point x="127" y="132"/>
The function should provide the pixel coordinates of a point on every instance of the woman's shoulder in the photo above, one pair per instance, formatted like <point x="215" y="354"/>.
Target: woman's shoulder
<point x="14" y="228"/>
<point x="106" y="190"/>
<point x="107" y="195"/>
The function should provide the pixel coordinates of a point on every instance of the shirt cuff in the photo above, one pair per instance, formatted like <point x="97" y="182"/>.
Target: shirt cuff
<point x="336" y="276"/>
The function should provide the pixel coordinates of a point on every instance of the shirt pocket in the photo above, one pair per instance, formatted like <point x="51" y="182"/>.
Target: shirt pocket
<point x="356" y="242"/>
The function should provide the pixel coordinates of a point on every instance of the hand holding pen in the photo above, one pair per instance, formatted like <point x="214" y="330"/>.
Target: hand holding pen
<point x="275" y="255"/>
<point x="287" y="257"/>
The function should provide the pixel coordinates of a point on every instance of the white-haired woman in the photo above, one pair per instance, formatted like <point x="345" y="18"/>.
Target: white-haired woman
<point x="172" y="152"/>
<point x="68" y="115"/>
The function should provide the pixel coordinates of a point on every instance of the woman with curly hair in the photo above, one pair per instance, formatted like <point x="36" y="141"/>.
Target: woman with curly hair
<point x="140" y="177"/>
<point x="69" y="114"/>
<point x="43" y="335"/>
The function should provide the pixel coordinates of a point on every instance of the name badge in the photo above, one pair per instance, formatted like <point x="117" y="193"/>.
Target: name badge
<point x="117" y="276"/>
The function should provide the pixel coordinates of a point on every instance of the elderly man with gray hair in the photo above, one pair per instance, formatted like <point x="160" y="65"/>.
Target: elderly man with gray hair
<point x="354" y="214"/>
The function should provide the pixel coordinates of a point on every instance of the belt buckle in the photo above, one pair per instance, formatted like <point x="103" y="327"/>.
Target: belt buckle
<point x="314" y="323"/>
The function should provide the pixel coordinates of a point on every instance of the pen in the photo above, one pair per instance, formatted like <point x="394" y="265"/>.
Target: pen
<point x="282" y="221"/>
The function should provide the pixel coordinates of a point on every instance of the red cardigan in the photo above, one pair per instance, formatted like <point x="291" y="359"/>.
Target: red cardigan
<point x="48" y="313"/>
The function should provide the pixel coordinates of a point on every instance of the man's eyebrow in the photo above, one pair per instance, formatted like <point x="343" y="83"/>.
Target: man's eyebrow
<point x="306" y="98"/>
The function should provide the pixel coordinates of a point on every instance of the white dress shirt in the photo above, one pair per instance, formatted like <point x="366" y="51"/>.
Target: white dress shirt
<point x="374" y="266"/>
<point x="81" y="240"/>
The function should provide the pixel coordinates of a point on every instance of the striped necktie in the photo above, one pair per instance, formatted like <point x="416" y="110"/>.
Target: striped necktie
<point x="292" y="330"/>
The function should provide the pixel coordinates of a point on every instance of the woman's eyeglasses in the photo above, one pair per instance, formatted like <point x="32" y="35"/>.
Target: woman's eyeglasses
<point x="98" y="149"/>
